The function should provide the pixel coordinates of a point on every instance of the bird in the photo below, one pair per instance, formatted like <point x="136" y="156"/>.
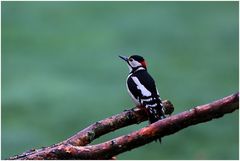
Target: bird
<point x="142" y="88"/>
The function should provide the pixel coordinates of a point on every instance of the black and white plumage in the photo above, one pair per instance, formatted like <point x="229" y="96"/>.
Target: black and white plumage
<point x="142" y="89"/>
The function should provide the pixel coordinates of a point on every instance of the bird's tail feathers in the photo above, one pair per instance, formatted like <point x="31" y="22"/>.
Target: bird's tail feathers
<point x="155" y="114"/>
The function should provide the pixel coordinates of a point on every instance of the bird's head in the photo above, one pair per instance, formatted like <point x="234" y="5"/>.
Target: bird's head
<point x="134" y="62"/>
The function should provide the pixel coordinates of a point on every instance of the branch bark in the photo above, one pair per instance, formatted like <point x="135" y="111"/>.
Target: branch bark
<point x="77" y="146"/>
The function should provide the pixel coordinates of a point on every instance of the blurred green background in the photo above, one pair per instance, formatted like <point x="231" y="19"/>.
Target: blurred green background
<point x="61" y="71"/>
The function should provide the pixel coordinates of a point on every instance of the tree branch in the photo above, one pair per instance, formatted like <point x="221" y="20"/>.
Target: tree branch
<point x="76" y="147"/>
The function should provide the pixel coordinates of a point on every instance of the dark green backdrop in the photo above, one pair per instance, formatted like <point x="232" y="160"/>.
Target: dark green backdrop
<point x="60" y="70"/>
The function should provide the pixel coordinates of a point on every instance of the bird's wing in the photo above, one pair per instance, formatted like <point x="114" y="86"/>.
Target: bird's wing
<point x="143" y="88"/>
<point x="142" y="85"/>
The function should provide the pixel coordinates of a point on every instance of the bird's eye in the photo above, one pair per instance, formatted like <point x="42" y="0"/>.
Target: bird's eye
<point x="130" y="59"/>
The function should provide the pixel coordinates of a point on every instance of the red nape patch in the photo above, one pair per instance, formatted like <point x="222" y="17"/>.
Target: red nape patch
<point x="144" y="64"/>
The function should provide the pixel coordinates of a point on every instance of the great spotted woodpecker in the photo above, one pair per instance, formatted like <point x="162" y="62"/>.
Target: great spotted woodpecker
<point x="142" y="89"/>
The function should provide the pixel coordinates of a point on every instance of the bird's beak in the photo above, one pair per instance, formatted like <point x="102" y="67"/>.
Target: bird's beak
<point x="123" y="58"/>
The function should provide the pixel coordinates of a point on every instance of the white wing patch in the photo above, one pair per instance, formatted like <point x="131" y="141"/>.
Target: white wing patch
<point x="143" y="90"/>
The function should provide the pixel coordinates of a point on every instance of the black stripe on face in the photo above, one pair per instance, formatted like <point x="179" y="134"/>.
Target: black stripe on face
<point x="137" y="58"/>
